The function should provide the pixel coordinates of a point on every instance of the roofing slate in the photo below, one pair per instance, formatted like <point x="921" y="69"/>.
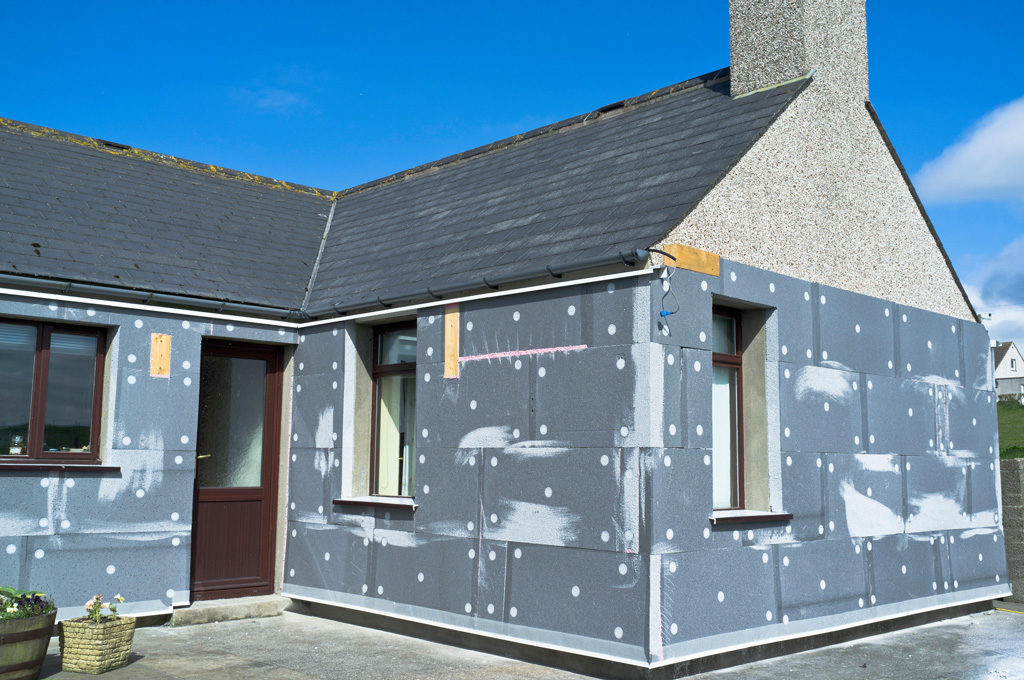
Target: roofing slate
<point x="612" y="180"/>
<point x="578" y="190"/>
<point x="73" y="210"/>
<point x="999" y="352"/>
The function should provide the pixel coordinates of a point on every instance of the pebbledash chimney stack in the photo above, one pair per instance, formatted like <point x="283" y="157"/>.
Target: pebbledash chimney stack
<point x="774" y="41"/>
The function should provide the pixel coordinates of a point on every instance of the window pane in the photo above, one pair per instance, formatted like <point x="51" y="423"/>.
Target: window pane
<point x="69" y="389"/>
<point x="397" y="347"/>
<point x="232" y="393"/>
<point x="723" y="431"/>
<point x="17" y="356"/>
<point x="396" y="434"/>
<point x="723" y="335"/>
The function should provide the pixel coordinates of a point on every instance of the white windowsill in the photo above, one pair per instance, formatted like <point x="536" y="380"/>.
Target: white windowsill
<point x="739" y="516"/>
<point x="380" y="501"/>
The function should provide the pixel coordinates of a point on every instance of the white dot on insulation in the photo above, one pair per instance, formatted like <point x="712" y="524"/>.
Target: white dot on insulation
<point x="605" y="536"/>
<point x="131" y="358"/>
<point x="542" y="371"/>
<point x="188" y="381"/>
<point x="469" y="325"/>
<point x="111" y="569"/>
<point x="126" y="441"/>
<point x="611" y="329"/>
<point x="39" y="554"/>
<point x="620" y="363"/>
<point x="138" y="323"/>
<point x="721" y="596"/>
<point x="623" y="430"/>
<point x="696" y="366"/>
<point x="618" y="632"/>
<point x="572" y="310"/>
<point x="543" y="429"/>
<point x="139" y="493"/>
<point x="513" y="612"/>
<point x="468" y="608"/>
<point x="703" y="285"/>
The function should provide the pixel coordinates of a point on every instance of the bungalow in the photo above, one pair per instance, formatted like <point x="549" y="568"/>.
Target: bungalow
<point x="686" y="374"/>
<point x="1008" y="369"/>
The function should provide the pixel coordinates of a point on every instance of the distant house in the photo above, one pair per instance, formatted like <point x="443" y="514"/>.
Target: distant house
<point x="1008" y="369"/>
<point x="687" y="374"/>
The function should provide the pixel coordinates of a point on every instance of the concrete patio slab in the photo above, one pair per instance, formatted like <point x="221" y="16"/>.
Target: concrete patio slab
<point x="297" y="647"/>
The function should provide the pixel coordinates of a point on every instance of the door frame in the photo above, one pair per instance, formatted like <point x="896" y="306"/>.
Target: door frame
<point x="272" y="416"/>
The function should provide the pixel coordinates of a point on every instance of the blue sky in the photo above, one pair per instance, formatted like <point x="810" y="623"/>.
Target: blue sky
<point x="332" y="94"/>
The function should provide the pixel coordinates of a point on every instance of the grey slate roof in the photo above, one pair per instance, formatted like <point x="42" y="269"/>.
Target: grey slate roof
<point x="73" y="209"/>
<point x="999" y="353"/>
<point x="591" y="186"/>
<point x="612" y="180"/>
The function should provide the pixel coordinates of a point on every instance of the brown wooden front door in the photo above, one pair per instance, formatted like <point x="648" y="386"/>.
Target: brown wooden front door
<point x="236" y="470"/>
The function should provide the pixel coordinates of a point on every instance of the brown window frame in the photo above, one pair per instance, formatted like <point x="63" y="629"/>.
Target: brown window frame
<point x="40" y="381"/>
<point x="377" y="372"/>
<point x="735" y="361"/>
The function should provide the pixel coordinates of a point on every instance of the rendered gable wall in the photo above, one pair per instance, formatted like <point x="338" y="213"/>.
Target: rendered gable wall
<point x="819" y="197"/>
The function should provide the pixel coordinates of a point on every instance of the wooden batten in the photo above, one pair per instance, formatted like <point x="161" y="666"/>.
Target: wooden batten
<point x="693" y="259"/>
<point x="451" y="341"/>
<point x="160" y="355"/>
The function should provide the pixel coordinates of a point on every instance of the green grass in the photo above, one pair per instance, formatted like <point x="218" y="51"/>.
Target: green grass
<point x="1011" y="429"/>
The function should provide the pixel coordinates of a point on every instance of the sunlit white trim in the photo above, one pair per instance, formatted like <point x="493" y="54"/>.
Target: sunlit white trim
<point x="138" y="306"/>
<point x="292" y="325"/>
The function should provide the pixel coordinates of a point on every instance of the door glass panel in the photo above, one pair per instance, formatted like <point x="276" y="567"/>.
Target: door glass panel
<point x="396" y="440"/>
<point x="17" y="355"/>
<point x="723" y="435"/>
<point x="232" y="395"/>
<point x="69" y="388"/>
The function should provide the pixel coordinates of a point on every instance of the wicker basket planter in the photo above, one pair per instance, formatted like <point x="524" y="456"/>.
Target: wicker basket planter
<point x="90" y="647"/>
<point x="23" y="644"/>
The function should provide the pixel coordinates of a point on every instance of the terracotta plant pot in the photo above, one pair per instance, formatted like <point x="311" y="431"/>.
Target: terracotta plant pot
<point x="23" y="645"/>
<point x="90" y="647"/>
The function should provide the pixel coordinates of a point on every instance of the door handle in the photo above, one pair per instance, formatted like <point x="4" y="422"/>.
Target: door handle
<point x="204" y="455"/>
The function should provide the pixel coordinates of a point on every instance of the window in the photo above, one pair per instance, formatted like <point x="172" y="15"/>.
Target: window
<point x="726" y="410"/>
<point x="51" y="382"/>
<point x="1013" y="364"/>
<point x="394" y="404"/>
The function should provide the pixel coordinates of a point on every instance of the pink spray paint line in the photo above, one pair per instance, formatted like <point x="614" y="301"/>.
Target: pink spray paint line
<point x="523" y="353"/>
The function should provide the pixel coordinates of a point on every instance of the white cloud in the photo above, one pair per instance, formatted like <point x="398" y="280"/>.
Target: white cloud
<point x="273" y="99"/>
<point x="996" y="288"/>
<point x="988" y="163"/>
